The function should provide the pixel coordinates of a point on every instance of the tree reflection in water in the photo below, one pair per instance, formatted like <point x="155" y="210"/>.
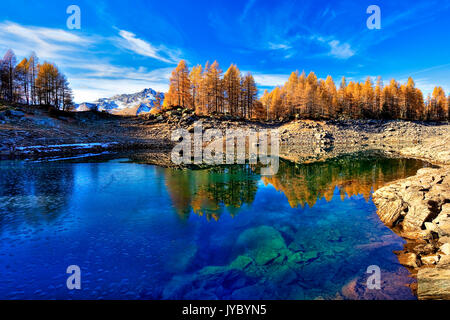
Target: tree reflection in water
<point x="208" y="192"/>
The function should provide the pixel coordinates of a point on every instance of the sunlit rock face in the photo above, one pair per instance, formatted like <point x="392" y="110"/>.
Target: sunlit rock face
<point x="126" y="104"/>
<point x="418" y="208"/>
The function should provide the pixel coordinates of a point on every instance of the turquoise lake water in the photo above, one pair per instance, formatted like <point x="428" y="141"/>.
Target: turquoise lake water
<point x="144" y="232"/>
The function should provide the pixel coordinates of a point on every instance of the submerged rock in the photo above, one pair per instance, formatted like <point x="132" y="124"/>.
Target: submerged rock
<point x="263" y="244"/>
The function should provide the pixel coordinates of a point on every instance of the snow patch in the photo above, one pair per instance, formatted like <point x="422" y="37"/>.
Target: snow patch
<point x="142" y="102"/>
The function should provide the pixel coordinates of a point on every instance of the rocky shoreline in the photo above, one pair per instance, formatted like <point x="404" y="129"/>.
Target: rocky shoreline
<point x="418" y="209"/>
<point x="26" y="131"/>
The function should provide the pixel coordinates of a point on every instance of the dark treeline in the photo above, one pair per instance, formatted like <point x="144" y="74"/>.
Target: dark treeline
<point x="208" y="91"/>
<point x="30" y="82"/>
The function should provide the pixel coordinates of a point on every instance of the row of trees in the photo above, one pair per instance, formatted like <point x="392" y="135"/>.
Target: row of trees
<point x="208" y="91"/>
<point x="33" y="83"/>
<point x="310" y="97"/>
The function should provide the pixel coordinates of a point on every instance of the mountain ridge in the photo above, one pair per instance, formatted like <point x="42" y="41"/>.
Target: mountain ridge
<point x="141" y="102"/>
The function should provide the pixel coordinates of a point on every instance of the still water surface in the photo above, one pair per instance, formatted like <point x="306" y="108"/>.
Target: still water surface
<point x="145" y="232"/>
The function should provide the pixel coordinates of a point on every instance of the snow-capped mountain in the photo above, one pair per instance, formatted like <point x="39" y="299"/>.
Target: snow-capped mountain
<point x="126" y="104"/>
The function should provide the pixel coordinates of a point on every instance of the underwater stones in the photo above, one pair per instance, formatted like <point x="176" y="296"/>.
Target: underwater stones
<point x="296" y="293"/>
<point x="209" y="275"/>
<point x="263" y="244"/>
<point x="349" y="291"/>
<point x="210" y="282"/>
<point x="297" y="257"/>
<point x="392" y="287"/>
<point x="177" y="288"/>
<point x="241" y="262"/>
<point x="310" y="255"/>
<point x="253" y="292"/>
<point x="180" y="261"/>
<point x="233" y="279"/>
<point x="200" y="294"/>
<point x="334" y="235"/>
<point x="283" y="275"/>
<point x="212" y="276"/>
<point x="295" y="246"/>
<point x="339" y="249"/>
<point x="286" y="230"/>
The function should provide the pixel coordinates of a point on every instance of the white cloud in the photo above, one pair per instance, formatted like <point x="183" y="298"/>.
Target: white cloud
<point x="146" y="49"/>
<point x="337" y="49"/>
<point x="48" y="43"/>
<point x="270" y="80"/>
<point x="105" y="80"/>
<point x="91" y="75"/>
<point x="89" y="90"/>
<point x="341" y="51"/>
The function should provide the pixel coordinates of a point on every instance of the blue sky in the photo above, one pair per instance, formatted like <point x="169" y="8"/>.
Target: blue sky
<point x="125" y="46"/>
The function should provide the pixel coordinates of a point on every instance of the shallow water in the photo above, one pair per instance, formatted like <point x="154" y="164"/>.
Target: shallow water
<point x="144" y="232"/>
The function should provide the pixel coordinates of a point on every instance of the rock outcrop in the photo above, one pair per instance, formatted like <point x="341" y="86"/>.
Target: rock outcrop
<point x="434" y="283"/>
<point x="418" y="209"/>
<point x="419" y="205"/>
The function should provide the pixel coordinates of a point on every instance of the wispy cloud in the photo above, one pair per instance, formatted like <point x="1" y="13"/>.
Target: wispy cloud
<point x="279" y="46"/>
<point x="96" y="80"/>
<point x="91" y="75"/>
<point x="46" y="42"/>
<point x="107" y="80"/>
<point x="270" y="80"/>
<point x="247" y="8"/>
<point x="144" y="48"/>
